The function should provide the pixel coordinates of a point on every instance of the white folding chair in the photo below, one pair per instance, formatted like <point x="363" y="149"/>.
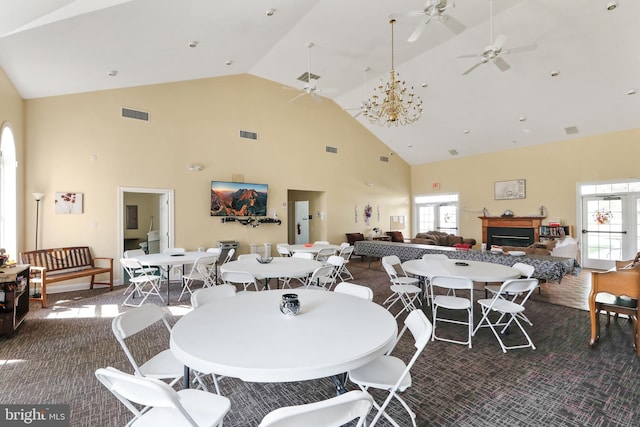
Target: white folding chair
<point x="433" y="257"/>
<point x="452" y="302"/>
<point x="403" y="288"/>
<point x="507" y="308"/>
<point x="203" y="296"/>
<point x="390" y="373"/>
<point x="177" y="269"/>
<point x="283" y="249"/>
<point x="320" y="277"/>
<point x="227" y="259"/>
<point x="321" y="242"/>
<point x="141" y="283"/>
<point x="360" y="291"/>
<point x="132" y="253"/>
<point x="163" y="406"/>
<point x="324" y="254"/>
<point x="163" y="365"/>
<point x="333" y="412"/>
<point x="242" y="278"/>
<point x="526" y="271"/>
<point x="346" y="253"/>
<point x="203" y="270"/>
<point x="337" y="262"/>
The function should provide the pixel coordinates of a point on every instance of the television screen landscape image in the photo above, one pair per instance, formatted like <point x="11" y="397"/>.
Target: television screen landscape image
<point x="238" y="199"/>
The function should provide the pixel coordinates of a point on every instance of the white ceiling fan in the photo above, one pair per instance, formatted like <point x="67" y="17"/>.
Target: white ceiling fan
<point x="433" y="11"/>
<point x="365" y="103"/>
<point x="495" y="49"/>
<point x="309" y="87"/>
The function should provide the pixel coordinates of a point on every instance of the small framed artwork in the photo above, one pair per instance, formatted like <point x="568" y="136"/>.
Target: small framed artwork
<point x="508" y="190"/>
<point x="68" y="203"/>
<point x="132" y="217"/>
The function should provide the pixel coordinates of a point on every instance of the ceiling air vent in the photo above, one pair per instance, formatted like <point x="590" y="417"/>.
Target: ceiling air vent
<point x="248" y="135"/>
<point x="135" y="114"/>
<point x="333" y="150"/>
<point x="571" y="130"/>
<point x="384" y="159"/>
<point x="306" y="76"/>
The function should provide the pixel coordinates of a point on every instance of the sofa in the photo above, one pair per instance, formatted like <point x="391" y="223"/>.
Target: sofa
<point x="439" y="238"/>
<point x="565" y="248"/>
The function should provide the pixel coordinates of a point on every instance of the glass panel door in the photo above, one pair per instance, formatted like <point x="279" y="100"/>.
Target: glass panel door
<point x="605" y="234"/>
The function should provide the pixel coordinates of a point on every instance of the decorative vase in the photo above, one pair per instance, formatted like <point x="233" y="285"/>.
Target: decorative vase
<point x="290" y="305"/>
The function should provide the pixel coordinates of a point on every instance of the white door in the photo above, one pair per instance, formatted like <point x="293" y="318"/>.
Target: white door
<point x="608" y="230"/>
<point x="301" y="231"/>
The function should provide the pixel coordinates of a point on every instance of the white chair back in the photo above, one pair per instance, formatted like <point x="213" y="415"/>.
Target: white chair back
<point x="526" y="270"/>
<point x="203" y="296"/>
<point x="303" y="255"/>
<point x="359" y="291"/>
<point x="333" y="412"/>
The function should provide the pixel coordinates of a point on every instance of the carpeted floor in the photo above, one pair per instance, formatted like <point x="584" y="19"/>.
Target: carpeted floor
<point x="562" y="383"/>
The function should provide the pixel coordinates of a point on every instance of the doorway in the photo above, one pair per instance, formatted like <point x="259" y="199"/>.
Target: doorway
<point x="154" y="223"/>
<point x="303" y="225"/>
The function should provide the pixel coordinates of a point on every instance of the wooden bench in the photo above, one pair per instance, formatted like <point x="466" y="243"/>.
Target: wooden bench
<point x="60" y="264"/>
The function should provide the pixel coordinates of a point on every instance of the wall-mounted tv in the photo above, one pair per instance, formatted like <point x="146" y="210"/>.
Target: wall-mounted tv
<point x="238" y="199"/>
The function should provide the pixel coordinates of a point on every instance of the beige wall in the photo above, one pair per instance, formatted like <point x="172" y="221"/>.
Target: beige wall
<point x="80" y="143"/>
<point x="551" y="172"/>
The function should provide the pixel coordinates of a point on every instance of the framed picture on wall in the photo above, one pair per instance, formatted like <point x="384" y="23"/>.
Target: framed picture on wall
<point x="508" y="190"/>
<point x="132" y="217"/>
<point x="68" y="203"/>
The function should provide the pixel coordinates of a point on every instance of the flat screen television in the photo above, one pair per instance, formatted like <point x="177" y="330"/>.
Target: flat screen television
<point x="238" y="199"/>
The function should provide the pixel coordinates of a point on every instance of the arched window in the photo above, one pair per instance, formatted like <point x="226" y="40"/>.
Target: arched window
<point x="8" y="215"/>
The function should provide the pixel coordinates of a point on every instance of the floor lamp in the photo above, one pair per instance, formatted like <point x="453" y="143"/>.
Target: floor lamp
<point x="38" y="197"/>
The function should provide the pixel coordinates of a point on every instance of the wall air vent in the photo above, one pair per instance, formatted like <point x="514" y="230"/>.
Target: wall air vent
<point x="329" y="149"/>
<point x="135" y="114"/>
<point x="384" y="159"/>
<point x="248" y="135"/>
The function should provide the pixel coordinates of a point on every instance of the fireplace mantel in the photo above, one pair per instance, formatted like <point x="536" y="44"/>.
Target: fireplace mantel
<point x="512" y="222"/>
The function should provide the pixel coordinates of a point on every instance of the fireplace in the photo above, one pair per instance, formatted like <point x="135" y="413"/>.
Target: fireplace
<point x="509" y="236"/>
<point x="511" y="231"/>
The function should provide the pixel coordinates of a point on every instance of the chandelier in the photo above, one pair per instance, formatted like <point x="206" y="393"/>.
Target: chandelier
<point x="391" y="103"/>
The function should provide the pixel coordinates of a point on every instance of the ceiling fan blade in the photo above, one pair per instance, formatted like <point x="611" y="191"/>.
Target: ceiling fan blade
<point x="472" y="68"/>
<point x="452" y="24"/>
<point x="501" y="64"/>
<point x="521" y="49"/>
<point x="470" y="55"/>
<point x="406" y="15"/>
<point x="418" y="31"/>
<point x="298" y="96"/>
<point x="357" y="114"/>
<point x="316" y="98"/>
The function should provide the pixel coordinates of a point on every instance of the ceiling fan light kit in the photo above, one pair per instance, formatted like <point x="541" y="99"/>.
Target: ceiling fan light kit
<point x="391" y="102"/>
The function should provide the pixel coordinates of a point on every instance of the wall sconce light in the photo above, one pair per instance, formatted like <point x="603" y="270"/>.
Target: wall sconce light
<point x="194" y="168"/>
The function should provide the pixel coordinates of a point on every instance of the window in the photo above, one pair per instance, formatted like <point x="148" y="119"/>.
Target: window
<point x="437" y="213"/>
<point x="8" y="224"/>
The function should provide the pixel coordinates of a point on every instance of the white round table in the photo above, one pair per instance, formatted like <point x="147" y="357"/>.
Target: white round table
<point x="169" y="260"/>
<point x="477" y="271"/>
<point x="247" y="336"/>
<point x="313" y="248"/>
<point x="278" y="267"/>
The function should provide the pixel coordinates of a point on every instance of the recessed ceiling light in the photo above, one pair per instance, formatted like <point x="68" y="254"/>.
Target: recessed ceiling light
<point x="522" y="119"/>
<point x="193" y="44"/>
<point x="228" y="62"/>
<point x="425" y="84"/>
<point x="270" y="12"/>
<point x="112" y="73"/>
<point x="612" y="5"/>
<point x="466" y="131"/>
<point x="453" y="152"/>
<point x="554" y="73"/>
<point x="631" y="91"/>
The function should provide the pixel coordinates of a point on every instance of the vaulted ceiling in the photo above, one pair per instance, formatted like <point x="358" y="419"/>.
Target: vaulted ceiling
<point x="55" y="47"/>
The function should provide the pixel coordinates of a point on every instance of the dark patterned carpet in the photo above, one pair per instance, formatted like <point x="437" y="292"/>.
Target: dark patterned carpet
<point x="562" y="383"/>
